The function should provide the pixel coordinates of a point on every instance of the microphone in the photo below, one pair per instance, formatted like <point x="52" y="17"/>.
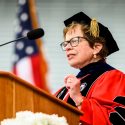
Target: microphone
<point x="35" y="34"/>
<point x="31" y="35"/>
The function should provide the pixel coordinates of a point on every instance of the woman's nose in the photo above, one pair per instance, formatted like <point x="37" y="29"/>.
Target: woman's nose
<point x="68" y="47"/>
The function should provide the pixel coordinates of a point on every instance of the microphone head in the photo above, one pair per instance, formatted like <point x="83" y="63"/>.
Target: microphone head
<point x="35" y="34"/>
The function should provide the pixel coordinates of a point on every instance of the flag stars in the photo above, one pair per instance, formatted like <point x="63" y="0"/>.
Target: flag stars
<point x="24" y="33"/>
<point x="20" y="45"/>
<point x="24" y="48"/>
<point x="22" y="2"/>
<point x="29" y="50"/>
<point x="24" y="17"/>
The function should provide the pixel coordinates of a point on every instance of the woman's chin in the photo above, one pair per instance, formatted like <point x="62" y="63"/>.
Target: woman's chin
<point x="74" y="65"/>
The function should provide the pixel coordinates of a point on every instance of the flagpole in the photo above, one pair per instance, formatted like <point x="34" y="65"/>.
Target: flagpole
<point x="34" y="18"/>
<point x="35" y="24"/>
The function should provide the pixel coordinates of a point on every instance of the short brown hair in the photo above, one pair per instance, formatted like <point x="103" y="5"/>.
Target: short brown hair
<point x="91" y="40"/>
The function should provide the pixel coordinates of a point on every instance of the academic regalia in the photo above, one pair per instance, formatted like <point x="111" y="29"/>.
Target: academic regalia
<point x="100" y="83"/>
<point x="118" y="116"/>
<point x="100" y="86"/>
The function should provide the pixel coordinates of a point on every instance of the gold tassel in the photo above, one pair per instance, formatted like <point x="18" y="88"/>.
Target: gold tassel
<point x="94" y="28"/>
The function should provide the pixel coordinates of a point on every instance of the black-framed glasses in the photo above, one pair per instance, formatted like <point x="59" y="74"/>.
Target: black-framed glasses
<point x="73" y="42"/>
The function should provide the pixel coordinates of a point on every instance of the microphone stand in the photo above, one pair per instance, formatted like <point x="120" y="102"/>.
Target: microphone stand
<point x="24" y="37"/>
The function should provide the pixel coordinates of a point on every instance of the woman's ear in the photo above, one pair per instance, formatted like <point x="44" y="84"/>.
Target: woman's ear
<point x="97" y="48"/>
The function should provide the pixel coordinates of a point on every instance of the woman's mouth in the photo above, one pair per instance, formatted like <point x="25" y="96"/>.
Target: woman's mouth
<point x="70" y="56"/>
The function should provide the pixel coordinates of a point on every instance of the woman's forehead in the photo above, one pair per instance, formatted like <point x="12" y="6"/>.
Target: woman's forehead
<point x="74" y="31"/>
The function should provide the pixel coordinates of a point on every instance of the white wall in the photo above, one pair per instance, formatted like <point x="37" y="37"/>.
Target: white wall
<point x="52" y="13"/>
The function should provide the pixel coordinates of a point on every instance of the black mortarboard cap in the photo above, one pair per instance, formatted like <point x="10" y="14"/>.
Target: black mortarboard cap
<point x="103" y="31"/>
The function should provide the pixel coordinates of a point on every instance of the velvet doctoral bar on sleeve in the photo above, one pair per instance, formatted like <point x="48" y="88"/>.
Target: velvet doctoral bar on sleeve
<point x="100" y="86"/>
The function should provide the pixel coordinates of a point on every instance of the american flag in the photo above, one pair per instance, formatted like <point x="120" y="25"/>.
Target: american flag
<point x="29" y="63"/>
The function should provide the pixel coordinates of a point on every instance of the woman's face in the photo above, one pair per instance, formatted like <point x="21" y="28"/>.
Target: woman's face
<point x="82" y="54"/>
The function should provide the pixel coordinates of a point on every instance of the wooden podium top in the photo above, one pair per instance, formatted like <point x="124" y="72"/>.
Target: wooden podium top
<point x="18" y="95"/>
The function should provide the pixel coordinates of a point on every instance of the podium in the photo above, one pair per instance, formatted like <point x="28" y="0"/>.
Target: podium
<point x="19" y="95"/>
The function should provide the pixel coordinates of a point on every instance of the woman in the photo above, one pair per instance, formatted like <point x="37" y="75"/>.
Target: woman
<point x="87" y="44"/>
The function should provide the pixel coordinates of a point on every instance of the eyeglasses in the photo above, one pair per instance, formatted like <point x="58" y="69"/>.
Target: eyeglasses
<point x="73" y="42"/>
